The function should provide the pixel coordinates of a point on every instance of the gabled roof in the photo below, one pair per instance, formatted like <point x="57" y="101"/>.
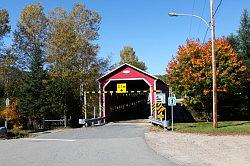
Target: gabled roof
<point x="126" y="64"/>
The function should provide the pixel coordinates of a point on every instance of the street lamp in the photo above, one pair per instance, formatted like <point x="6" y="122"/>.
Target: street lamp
<point x="211" y="26"/>
<point x="192" y="15"/>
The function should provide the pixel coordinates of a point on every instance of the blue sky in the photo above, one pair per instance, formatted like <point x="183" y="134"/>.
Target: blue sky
<point x="145" y="25"/>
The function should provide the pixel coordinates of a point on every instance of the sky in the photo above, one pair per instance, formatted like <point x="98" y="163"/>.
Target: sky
<point x="146" y="26"/>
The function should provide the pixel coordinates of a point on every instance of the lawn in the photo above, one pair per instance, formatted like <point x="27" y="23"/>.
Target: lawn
<point x="227" y="127"/>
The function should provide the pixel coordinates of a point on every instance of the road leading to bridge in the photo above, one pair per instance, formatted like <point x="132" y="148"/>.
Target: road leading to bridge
<point x="110" y="145"/>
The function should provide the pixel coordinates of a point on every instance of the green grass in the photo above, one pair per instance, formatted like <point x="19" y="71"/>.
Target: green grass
<point x="227" y="127"/>
<point x="16" y="133"/>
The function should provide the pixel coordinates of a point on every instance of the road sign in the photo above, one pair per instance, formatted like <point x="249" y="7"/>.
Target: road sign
<point x="121" y="88"/>
<point x="171" y="101"/>
<point x="161" y="116"/>
<point x="81" y="121"/>
<point x="160" y="98"/>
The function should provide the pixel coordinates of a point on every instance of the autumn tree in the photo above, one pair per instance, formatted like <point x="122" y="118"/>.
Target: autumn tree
<point x="72" y="53"/>
<point x="4" y="25"/>
<point x="30" y="35"/>
<point x="190" y="73"/>
<point x="127" y="55"/>
<point x="4" y="60"/>
<point x="30" y="39"/>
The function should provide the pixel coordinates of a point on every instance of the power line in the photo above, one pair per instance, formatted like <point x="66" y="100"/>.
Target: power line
<point x="201" y="16"/>
<point x="205" y="35"/>
<point x="217" y="8"/>
<point x="190" y="26"/>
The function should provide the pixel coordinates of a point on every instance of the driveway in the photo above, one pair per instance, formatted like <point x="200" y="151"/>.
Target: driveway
<point x="117" y="144"/>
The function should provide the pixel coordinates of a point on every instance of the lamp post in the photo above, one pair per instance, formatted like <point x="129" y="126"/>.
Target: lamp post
<point x="192" y="15"/>
<point x="211" y="26"/>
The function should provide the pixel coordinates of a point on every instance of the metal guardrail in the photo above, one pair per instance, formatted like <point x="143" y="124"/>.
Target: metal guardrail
<point x="48" y="123"/>
<point x="92" y="121"/>
<point x="164" y="123"/>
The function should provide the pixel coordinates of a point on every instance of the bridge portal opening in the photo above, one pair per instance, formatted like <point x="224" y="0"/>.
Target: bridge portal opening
<point x="132" y="105"/>
<point x="126" y="106"/>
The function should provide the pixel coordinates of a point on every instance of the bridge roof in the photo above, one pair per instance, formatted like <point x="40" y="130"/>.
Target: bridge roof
<point x="125" y="66"/>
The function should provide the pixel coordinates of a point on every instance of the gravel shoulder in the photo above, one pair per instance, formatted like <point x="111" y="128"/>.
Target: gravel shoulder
<point x="195" y="149"/>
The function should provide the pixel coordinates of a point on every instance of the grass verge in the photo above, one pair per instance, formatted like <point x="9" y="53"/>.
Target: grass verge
<point x="15" y="133"/>
<point x="227" y="127"/>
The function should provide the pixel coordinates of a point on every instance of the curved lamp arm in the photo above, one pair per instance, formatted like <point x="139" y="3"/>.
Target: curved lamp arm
<point x="192" y="15"/>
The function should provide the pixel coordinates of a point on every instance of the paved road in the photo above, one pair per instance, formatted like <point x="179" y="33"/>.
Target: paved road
<point x="109" y="145"/>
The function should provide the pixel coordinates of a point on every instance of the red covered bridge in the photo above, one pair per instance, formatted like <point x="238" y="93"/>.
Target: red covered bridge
<point x="139" y="98"/>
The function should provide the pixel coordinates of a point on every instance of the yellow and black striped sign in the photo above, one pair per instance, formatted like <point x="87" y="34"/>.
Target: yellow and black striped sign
<point x="84" y="109"/>
<point x="101" y="109"/>
<point x="132" y="91"/>
<point x="159" y="107"/>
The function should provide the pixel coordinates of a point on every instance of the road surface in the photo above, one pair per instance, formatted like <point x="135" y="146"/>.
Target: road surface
<point x="110" y="145"/>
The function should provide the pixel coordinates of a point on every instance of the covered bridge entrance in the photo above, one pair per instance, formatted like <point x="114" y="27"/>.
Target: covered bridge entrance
<point x="129" y="93"/>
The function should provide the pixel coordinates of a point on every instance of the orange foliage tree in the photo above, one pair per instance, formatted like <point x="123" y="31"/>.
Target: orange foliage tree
<point x="13" y="116"/>
<point x="190" y="73"/>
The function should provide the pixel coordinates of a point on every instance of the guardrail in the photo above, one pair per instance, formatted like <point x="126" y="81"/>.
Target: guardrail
<point x="92" y="121"/>
<point x="164" y="123"/>
<point x="54" y="123"/>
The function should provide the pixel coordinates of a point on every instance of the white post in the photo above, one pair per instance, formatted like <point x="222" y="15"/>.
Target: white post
<point x="172" y="111"/>
<point x="85" y="103"/>
<point x="165" y="118"/>
<point x="65" y="121"/>
<point x="7" y="102"/>
<point x="155" y="105"/>
<point x="104" y="111"/>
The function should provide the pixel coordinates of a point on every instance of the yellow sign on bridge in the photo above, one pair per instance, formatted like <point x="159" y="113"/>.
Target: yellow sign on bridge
<point x="121" y="88"/>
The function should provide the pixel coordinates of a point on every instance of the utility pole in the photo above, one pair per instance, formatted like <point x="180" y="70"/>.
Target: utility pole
<point x="211" y="27"/>
<point x="215" y="122"/>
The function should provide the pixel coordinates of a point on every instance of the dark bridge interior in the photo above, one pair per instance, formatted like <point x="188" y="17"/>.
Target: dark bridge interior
<point x="127" y="106"/>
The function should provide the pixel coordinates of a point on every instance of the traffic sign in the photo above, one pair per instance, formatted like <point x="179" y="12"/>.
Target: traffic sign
<point x="121" y="88"/>
<point x="171" y="101"/>
<point x="160" y="98"/>
<point x="161" y="116"/>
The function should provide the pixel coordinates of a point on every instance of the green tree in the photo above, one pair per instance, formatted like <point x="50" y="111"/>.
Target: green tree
<point x="30" y="38"/>
<point x="72" y="54"/>
<point x="4" y="23"/>
<point x="127" y="55"/>
<point x="70" y="46"/>
<point x="190" y="73"/>
<point x="244" y="35"/>
<point x="163" y="78"/>
<point x="4" y="59"/>
<point x="7" y="68"/>
<point x="32" y="91"/>
<point x="241" y="43"/>
<point x="244" y="39"/>
<point x="234" y="41"/>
